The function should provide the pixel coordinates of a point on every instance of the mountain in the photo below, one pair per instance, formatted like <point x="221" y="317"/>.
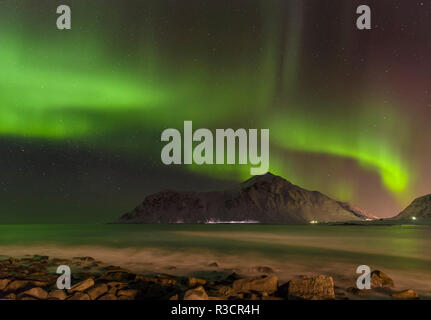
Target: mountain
<point x="264" y="199"/>
<point x="360" y="213"/>
<point x="420" y="208"/>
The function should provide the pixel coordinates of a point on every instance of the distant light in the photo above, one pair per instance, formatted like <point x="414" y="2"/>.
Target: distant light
<point x="368" y="219"/>
<point x="413" y="218"/>
<point x="314" y="221"/>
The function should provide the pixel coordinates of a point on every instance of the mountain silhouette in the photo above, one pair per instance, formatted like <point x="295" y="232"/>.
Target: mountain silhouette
<point x="420" y="208"/>
<point x="265" y="199"/>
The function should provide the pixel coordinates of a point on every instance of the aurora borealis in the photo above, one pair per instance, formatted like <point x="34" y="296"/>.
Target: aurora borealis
<point x="82" y="110"/>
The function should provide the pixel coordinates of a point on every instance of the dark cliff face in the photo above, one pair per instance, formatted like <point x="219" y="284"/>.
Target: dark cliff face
<point x="420" y="208"/>
<point x="361" y="214"/>
<point x="265" y="199"/>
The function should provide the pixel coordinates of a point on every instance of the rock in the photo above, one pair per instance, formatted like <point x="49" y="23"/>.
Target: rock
<point x="108" y="296"/>
<point x="167" y="282"/>
<point x="27" y="298"/>
<point x="11" y="296"/>
<point x="84" y="259"/>
<point x="57" y="295"/>
<point x="381" y="280"/>
<point x="264" y="198"/>
<point x="82" y="286"/>
<point x="97" y="291"/>
<point x="37" y="257"/>
<point x="16" y="285"/>
<point x="80" y="296"/>
<point x="117" y="285"/>
<point x="36" y="268"/>
<point x="3" y="284"/>
<point x="406" y="294"/>
<point x="232" y="277"/>
<point x="196" y="294"/>
<point x="91" y="266"/>
<point x="117" y="275"/>
<point x="262" y="269"/>
<point x="419" y="209"/>
<point x="12" y="260"/>
<point x="251" y="296"/>
<point x="164" y="280"/>
<point x="216" y="298"/>
<point x="359" y="292"/>
<point x="37" y="293"/>
<point x="312" y="288"/>
<point x="129" y="293"/>
<point x="112" y="290"/>
<point x="272" y="298"/>
<point x="257" y="284"/>
<point x="194" y="282"/>
<point x="225" y="290"/>
<point x="58" y="262"/>
<point x="38" y="283"/>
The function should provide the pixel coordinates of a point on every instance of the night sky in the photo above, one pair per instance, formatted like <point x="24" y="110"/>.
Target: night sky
<point x="82" y="111"/>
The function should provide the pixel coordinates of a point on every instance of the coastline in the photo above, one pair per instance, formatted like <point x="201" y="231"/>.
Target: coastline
<point x="21" y="277"/>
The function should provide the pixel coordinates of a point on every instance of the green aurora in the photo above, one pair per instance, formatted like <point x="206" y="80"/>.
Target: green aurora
<point x="93" y="86"/>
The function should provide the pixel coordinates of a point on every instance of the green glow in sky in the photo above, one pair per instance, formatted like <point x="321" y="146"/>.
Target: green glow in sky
<point x="356" y="138"/>
<point x="79" y="87"/>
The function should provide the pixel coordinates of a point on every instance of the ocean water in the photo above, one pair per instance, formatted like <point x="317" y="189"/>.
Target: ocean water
<point x="403" y="252"/>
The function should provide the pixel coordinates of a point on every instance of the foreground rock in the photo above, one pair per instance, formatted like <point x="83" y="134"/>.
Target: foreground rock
<point x="34" y="278"/>
<point x="312" y="288"/>
<point x="256" y="284"/>
<point x="406" y="294"/>
<point x="57" y="295"/>
<point x="381" y="280"/>
<point x="37" y="293"/>
<point x="193" y="282"/>
<point x="82" y="286"/>
<point x="98" y="291"/>
<point x="196" y="294"/>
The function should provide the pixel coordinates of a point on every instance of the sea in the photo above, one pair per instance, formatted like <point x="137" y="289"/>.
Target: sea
<point x="216" y="250"/>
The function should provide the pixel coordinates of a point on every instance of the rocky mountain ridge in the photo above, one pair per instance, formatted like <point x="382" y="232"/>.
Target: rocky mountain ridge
<point x="262" y="199"/>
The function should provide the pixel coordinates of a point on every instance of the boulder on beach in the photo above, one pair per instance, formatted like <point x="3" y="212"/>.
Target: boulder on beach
<point x="128" y="294"/>
<point x="256" y="284"/>
<point x="309" y="288"/>
<point x="108" y="296"/>
<point x="57" y="295"/>
<point x="80" y="296"/>
<point x="37" y="293"/>
<point x="3" y="284"/>
<point x="82" y="286"/>
<point x="406" y="294"/>
<point x="97" y="291"/>
<point x="381" y="280"/>
<point x="16" y="285"/>
<point x="198" y="293"/>
<point x="193" y="282"/>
